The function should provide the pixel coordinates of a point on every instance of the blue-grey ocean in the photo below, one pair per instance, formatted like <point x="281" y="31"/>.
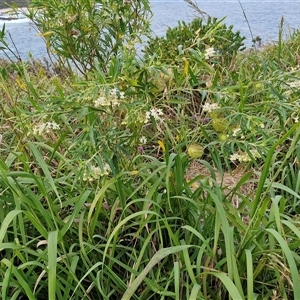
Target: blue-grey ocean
<point x="263" y="17"/>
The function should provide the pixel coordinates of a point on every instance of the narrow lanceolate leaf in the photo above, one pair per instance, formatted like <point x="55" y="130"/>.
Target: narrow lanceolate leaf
<point x="292" y="264"/>
<point x="265" y="170"/>
<point x="52" y="261"/>
<point x="161" y="254"/>
<point x="46" y="34"/>
<point x="44" y="167"/>
<point x="229" y="244"/>
<point x="177" y="280"/>
<point x="3" y="229"/>
<point x="285" y="188"/>
<point x="250" y="278"/>
<point x="231" y="288"/>
<point x="195" y="291"/>
<point x="20" y="279"/>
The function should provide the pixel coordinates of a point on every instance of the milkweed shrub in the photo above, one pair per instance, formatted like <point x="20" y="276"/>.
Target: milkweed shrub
<point x="196" y="35"/>
<point x="88" y="34"/>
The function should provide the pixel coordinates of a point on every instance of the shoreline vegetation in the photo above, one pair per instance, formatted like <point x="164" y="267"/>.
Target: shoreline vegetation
<point x="175" y="175"/>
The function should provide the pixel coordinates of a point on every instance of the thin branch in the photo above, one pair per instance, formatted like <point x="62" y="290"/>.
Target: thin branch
<point x="247" y="21"/>
<point x="196" y="8"/>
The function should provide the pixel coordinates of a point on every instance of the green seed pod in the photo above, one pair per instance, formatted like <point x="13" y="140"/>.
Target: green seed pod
<point x="220" y="125"/>
<point x="222" y="137"/>
<point x="195" y="151"/>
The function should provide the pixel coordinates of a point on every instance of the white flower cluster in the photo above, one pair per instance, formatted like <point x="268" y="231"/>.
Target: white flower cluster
<point x="45" y="127"/>
<point x="143" y="140"/>
<point x="238" y="132"/>
<point x="156" y="113"/>
<point x="96" y="172"/>
<point x="209" y="52"/>
<point x="112" y="100"/>
<point x="294" y="69"/>
<point x="209" y="107"/>
<point x="245" y="157"/>
<point x="295" y="84"/>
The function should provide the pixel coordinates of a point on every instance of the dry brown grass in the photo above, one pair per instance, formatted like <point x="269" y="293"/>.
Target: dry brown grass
<point x="227" y="181"/>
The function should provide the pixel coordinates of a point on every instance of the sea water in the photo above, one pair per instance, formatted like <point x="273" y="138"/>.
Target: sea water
<point x="252" y="18"/>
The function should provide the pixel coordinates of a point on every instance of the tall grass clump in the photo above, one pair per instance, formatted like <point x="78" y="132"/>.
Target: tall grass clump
<point x="161" y="177"/>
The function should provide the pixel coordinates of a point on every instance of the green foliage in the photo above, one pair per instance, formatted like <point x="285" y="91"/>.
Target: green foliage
<point x="89" y="33"/>
<point x="196" y="35"/>
<point x="145" y="180"/>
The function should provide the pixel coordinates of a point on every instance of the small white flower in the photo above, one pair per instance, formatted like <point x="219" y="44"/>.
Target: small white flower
<point x="122" y="95"/>
<point x="209" y="107"/>
<point x="245" y="157"/>
<point x="45" y="127"/>
<point x="156" y="113"/>
<point x="96" y="171"/>
<point x="234" y="157"/>
<point x="114" y="102"/>
<point x="85" y="176"/>
<point x="295" y="84"/>
<point x="147" y="117"/>
<point x="209" y="52"/>
<point x="296" y="119"/>
<point x="143" y="140"/>
<point x="114" y="92"/>
<point x="106" y="169"/>
<point x="52" y="125"/>
<point x="38" y="129"/>
<point x="255" y="153"/>
<point x="101" y="101"/>
<point x="235" y="131"/>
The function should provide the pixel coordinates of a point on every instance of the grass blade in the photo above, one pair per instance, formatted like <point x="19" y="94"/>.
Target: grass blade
<point x="176" y="279"/>
<point x="250" y="278"/>
<point x="195" y="291"/>
<point x="8" y="219"/>
<point x="158" y="256"/>
<point x="52" y="261"/>
<point x="231" y="288"/>
<point x="289" y="256"/>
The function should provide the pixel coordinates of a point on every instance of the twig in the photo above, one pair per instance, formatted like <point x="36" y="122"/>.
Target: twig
<point x="247" y="21"/>
<point x="17" y="56"/>
<point x="196" y="8"/>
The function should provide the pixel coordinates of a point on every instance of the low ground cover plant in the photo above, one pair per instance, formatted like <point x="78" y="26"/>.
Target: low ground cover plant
<point x="148" y="178"/>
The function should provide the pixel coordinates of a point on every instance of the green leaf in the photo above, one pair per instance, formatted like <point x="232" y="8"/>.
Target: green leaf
<point x="52" y="261"/>
<point x="158" y="256"/>
<point x="8" y="219"/>
<point x="292" y="264"/>
<point x="231" y="288"/>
